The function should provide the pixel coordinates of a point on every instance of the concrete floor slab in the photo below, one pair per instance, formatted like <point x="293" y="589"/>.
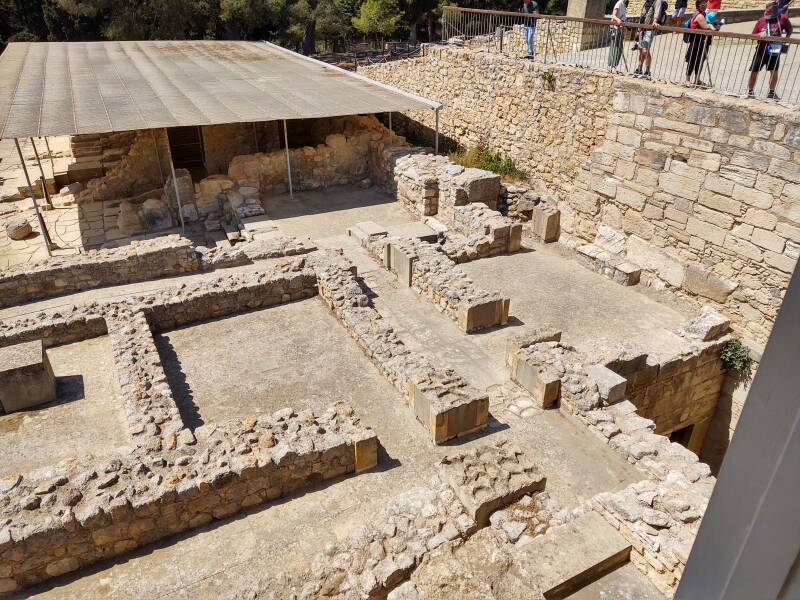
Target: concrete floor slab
<point x="625" y="583"/>
<point x="86" y="418"/>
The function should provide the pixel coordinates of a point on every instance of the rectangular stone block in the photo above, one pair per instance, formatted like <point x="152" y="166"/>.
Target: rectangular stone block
<point x="610" y="385"/>
<point x="515" y="238"/>
<point x="26" y="377"/>
<point x="482" y="315"/>
<point x="366" y="451"/>
<point x="447" y="413"/>
<point x="543" y="385"/>
<point x="546" y="223"/>
<point x="366" y="230"/>
<point x="402" y="264"/>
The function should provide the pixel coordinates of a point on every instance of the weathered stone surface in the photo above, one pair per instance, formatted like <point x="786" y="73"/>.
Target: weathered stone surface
<point x="483" y="489"/>
<point x="708" y="326"/>
<point x="26" y="377"/>
<point x="705" y="283"/>
<point x="18" y="228"/>
<point x="156" y="214"/>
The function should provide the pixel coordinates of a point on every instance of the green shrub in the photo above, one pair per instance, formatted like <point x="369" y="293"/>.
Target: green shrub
<point x="736" y="357"/>
<point x="483" y="158"/>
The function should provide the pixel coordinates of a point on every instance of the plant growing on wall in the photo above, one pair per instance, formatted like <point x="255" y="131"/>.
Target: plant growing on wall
<point x="549" y="80"/>
<point x="736" y="357"/>
<point x="484" y="158"/>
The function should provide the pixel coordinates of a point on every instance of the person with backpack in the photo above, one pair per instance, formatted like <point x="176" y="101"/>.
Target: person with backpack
<point x="680" y="9"/>
<point x="618" y="15"/>
<point x="529" y="7"/>
<point x="698" y="44"/>
<point x="768" y="54"/>
<point x="654" y="12"/>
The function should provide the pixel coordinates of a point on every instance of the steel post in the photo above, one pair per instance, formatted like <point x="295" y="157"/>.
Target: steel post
<point x="45" y="236"/>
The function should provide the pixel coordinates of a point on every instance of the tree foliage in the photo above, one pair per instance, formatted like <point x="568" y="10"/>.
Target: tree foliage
<point x="378" y="17"/>
<point x="305" y="25"/>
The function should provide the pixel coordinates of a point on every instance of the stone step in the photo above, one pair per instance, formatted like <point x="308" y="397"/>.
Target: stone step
<point x="571" y="556"/>
<point x="416" y="229"/>
<point x="612" y="266"/>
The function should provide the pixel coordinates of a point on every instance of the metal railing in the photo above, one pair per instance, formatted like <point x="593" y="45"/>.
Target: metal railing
<point x="719" y="60"/>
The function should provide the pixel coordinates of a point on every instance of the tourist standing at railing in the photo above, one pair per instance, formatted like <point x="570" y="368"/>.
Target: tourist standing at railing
<point x="768" y="54"/>
<point x="698" y="45"/>
<point x="529" y="7"/>
<point x="680" y="10"/>
<point x="648" y="17"/>
<point x="618" y="15"/>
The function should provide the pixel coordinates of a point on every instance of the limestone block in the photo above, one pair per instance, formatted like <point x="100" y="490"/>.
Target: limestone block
<point x="705" y="283"/>
<point x="707" y="326"/>
<point x="610" y="240"/>
<point x="447" y="406"/>
<point x="546" y="223"/>
<point x="610" y="385"/>
<point x="480" y="315"/>
<point x="515" y="237"/>
<point x="571" y="556"/>
<point x="156" y="214"/>
<point x="543" y="383"/>
<point x="18" y="228"/>
<point x="129" y="221"/>
<point x="402" y="264"/>
<point x="26" y="377"/>
<point x="480" y="186"/>
<point x="488" y="478"/>
<point x="366" y="230"/>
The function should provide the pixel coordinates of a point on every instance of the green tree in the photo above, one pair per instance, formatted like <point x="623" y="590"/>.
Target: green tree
<point x="378" y="17"/>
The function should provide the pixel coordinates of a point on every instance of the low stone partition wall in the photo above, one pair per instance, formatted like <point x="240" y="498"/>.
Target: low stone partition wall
<point x="484" y="232"/>
<point x="150" y="410"/>
<point x="675" y="391"/>
<point x="445" y="404"/>
<point x="429" y="272"/>
<point x="65" y="518"/>
<point x="138" y="261"/>
<point x="376" y="558"/>
<point x="428" y="184"/>
<point x="55" y="327"/>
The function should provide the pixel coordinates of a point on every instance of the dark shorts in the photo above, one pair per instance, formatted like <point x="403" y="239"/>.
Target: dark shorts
<point x="763" y="59"/>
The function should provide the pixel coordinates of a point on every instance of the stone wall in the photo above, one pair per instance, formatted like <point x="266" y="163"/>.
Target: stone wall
<point x="144" y="167"/>
<point x="72" y="516"/>
<point x="67" y="516"/>
<point x="222" y="142"/>
<point x="442" y="401"/>
<point x="138" y="261"/>
<point x="426" y="269"/>
<point x="63" y="275"/>
<point x="344" y="158"/>
<point x="702" y="187"/>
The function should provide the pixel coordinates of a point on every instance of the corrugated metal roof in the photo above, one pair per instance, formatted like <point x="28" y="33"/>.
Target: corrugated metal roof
<point x="64" y="88"/>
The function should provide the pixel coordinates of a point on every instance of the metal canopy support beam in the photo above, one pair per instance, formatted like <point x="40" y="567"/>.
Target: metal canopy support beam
<point x="45" y="237"/>
<point x="390" y="123"/>
<point x="255" y="136"/>
<point x="50" y="154"/>
<point x="436" y="139"/>
<point x="177" y="192"/>
<point x="288" y="161"/>
<point x="748" y="542"/>
<point x="158" y="156"/>
<point x="44" y="178"/>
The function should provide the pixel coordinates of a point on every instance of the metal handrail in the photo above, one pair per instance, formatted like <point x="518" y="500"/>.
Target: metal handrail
<point x="727" y="62"/>
<point x="626" y="25"/>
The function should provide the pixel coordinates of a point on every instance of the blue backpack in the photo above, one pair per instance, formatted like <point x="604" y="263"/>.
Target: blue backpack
<point x="687" y="25"/>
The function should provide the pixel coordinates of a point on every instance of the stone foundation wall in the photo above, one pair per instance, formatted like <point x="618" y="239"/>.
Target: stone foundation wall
<point x="63" y="275"/>
<point x="110" y="507"/>
<point x="68" y="516"/>
<point x="138" y="261"/>
<point x="344" y="158"/>
<point x="144" y="167"/>
<point x="702" y="187"/>
<point x="429" y="272"/>
<point x="444" y="403"/>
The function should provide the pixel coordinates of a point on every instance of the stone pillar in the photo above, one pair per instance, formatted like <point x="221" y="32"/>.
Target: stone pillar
<point x="26" y="377"/>
<point x="589" y="35"/>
